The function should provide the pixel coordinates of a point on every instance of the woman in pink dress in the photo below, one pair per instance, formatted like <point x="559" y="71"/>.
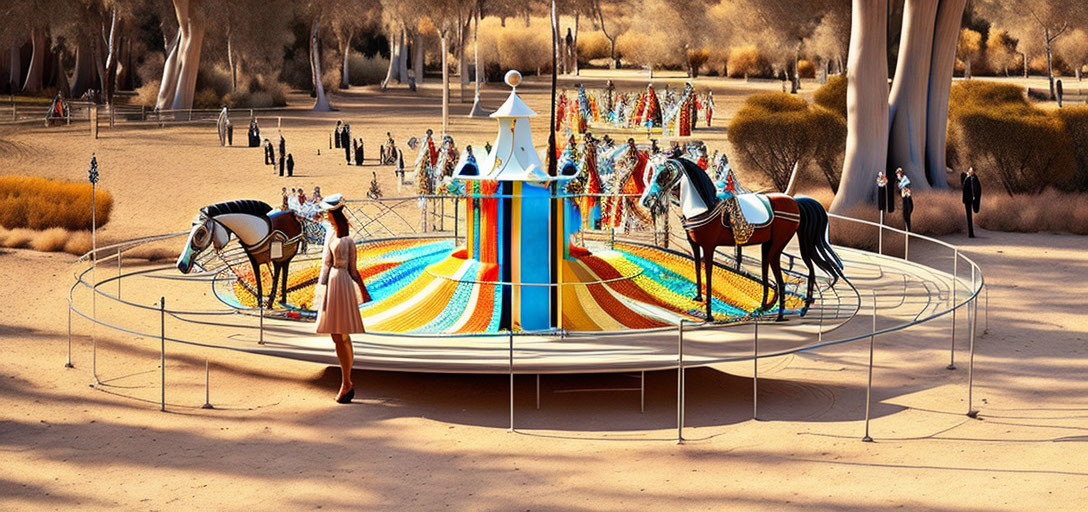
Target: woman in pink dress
<point x="338" y="310"/>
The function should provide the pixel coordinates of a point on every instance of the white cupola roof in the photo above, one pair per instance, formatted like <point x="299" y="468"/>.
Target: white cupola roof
<point x="512" y="157"/>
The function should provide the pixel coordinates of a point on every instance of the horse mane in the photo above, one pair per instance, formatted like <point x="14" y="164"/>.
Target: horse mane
<point x="699" y="180"/>
<point x="246" y="206"/>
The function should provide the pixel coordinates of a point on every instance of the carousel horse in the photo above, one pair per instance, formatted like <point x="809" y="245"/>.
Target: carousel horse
<point x="773" y="219"/>
<point x="626" y="165"/>
<point x="267" y="238"/>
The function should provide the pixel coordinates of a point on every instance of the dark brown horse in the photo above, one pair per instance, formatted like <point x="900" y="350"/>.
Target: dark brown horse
<point x="274" y="239"/>
<point x="772" y="220"/>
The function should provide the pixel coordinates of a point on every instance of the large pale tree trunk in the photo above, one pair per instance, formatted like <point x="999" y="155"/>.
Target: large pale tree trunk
<point x="574" y="46"/>
<point x="1049" y="62"/>
<point x="39" y="43"/>
<point x="107" y="64"/>
<point x="345" y="51"/>
<point x="417" y="57"/>
<point x="462" y="64"/>
<point x="170" y="71"/>
<point x="866" y="105"/>
<point x="391" y="73"/>
<point x="477" y="109"/>
<point x="322" y="102"/>
<point x="910" y="93"/>
<point x="187" y="58"/>
<point x="945" y="36"/>
<point x="402" y="56"/>
<point x="230" y="60"/>
<point x="15" y="68"/>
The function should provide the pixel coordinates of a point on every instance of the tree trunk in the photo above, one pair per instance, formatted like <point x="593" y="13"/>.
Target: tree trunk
<point x="910" y="92"/>
<point x="322" y="102"/>
<point x="418" y="57"/>
<point x="191" y="26"/>
<point x="445" y="85"/>
<point x="967" y="69"/>
<point x="62" y="76"/>
<point x="230" y="61"/>
<point x="33" y="82"/>
<point x="391" y="73"/>
<point x="1049" y="62"/>
<point x="866" y="105"/>
<point x="462" y="64"/>
<point x="942" y="63"/>
<point x="345" y="51"/>
<point x="477" y="109"/>
<point x="170" y="71"/>
<point x="83" y="77"/>
<point x="15" y="69"/>
<point x="402" y="56"/>
<point x="1024" y="58"/>
<point x="107" y="70"/>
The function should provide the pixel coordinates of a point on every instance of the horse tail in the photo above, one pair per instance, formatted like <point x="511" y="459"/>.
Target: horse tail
<point x="814" y="240"/>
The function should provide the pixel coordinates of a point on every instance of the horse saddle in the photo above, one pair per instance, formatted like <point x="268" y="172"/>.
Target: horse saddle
<point x="756" y="209"/>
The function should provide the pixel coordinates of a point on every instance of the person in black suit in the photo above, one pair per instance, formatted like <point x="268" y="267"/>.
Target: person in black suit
<point x="972" y="197"/>
<point x="345" y="142"/>
<point x="885" y="195"/>
<point x="290" y="166"/>
<point x="283" y="147"/>
<point x="269" y="156"/>
<point x="282" y="162"/>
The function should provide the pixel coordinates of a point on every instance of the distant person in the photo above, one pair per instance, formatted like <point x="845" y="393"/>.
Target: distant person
<point x="345" y="142"/>
<point x="230" y="132"/>
<point x="254" y="133"/>
<point x="283" y="162"/>
<point x="221" y="126"/>
<point x="283" y="147"/>
<point x="284" y="205"/>
<point x="972" y="197"/>
<point x="316" y="197"/>
<point x="359" y="153"/>
<point x="336" y="133"/>
<point x="291" y="166"/>
<point x="301" y="194"/>
<point x="269" y="155"/>
<point x="904" y="190"/>
<point x="885" y="195"/>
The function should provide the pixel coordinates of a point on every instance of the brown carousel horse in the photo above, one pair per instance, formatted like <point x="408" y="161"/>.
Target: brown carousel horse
<point x="267" y="239"/>
<point x="770" y="220"/>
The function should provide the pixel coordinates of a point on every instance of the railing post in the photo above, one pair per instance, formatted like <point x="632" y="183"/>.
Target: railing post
<point x="955" y="282"/>
<point x="642" y="391"/>
<point x="880" y="235"/>
<point x="69" y="363"/>
<point x="869" y="387"/>
<point x="538" y="391"/>
<point x="260" y="320"/>
<point x="162" y="350"/>
<point x="510" y="335"/>
<point x="755" y="370"/>
<point x="207" y="387"/>
<point x="680" y="382"/>
<point x="118" y="273"/>
<point x="973" y="315"/>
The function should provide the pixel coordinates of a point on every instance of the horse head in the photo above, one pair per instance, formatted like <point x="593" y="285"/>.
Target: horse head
<point x="204" y="233"/>
<point x="661" y="176"/>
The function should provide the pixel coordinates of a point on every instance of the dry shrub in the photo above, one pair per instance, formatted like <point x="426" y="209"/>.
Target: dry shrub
<point x="78" y="243"/>
<point x="806" y="69"/>
<point x="364" y="70"/>
<point x="16" y="238"/>
<point x="49" y="240"/>
<point x="207" y="98"/>
<point x="744" y="61"/>
<point x="216" y="78"/>
<point x="1075" y="119"/>
<point x="516" y="46"/>
<point x="146" y="95"/>
<point x="832" y="95"/>
<point x="1050" y="211"/>
<point x="936" y="213"/>
<point x="593" y="45"/>
<point x="38" y="203"/>
<point x="152" y="253"/>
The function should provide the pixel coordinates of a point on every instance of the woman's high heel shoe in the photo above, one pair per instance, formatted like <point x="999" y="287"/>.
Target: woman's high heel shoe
<point x="346" y="397"/>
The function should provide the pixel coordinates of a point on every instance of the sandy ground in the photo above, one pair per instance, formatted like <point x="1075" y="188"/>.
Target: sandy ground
<point x="277" y="440"/>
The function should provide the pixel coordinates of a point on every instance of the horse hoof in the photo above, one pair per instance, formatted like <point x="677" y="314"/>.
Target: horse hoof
<point x="698" y="298"/>
<point x="781" y="319"/>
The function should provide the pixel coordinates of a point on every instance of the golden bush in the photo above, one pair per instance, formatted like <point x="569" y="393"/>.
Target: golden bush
<point x="39" y="203"/>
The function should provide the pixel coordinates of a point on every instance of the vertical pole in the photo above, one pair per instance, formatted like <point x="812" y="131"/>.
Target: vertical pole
<point x="260" y="320"/>
<point x="442" y="215"/>
<point x="538" y="391"/>
<point x="755" y="371"/>
<point x="869" y="387"/>
<point x="612" y="238"/>
<point x="680" y="383"/>
<point x="986" y="326"/>
<point x="162" y="350"/>
<point x="456" y="214"/>
<point x="510" y="335"/>
<point x="94" y="289"/>
<point x="955" y="280"/>
<point x="69" y="363"/>
<point x="906" y="245"/>
<point x="207" y="387"/>
<point x="118" y="273"/>
<point x="973" y="315"/>
<point x="642" y="391"/>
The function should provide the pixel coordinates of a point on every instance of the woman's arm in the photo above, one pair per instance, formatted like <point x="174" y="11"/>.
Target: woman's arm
<point x="326" y="263"/>
<point x="352" y="268"/>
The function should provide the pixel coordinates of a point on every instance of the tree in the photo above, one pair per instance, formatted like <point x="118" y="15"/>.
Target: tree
<point x="773" y="132"/>
<point x="1001" y="50"/>
<point x="1073" y="49"/>
<point x="1030" y="18"/>
<point x="346" y="18"/>
<point x="967" y="49"/>
<point x="597" y="15"/>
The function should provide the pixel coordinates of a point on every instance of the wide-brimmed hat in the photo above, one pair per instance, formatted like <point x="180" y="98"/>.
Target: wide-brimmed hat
<point x="331" y="202"/>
